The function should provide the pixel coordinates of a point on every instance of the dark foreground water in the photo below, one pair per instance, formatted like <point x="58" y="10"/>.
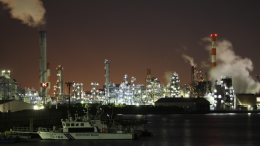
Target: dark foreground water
<point x="180" y="129"/>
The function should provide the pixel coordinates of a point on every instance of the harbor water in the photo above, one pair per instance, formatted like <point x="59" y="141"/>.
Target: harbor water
<point x="218" y="129"/>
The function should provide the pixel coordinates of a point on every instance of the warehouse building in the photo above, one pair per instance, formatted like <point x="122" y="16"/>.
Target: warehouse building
<point x="196" y="104"/>
<point x="14" y="105"/>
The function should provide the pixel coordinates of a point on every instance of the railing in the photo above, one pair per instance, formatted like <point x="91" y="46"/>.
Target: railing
<point x="45" y="129"/>
<point x="28" y="129"/>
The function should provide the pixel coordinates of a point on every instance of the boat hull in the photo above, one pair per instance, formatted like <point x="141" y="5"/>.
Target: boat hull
<point x="74" y="136"/>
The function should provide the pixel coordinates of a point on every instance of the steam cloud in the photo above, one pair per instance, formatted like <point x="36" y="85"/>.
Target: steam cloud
<point x="230" y="64"/>
<point x="167" y="76"/>
<point x="30" y="12"/>
<point x="189" y="59"/>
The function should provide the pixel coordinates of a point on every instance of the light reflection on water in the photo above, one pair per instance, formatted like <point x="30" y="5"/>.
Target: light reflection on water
<point x="176" y="129"/>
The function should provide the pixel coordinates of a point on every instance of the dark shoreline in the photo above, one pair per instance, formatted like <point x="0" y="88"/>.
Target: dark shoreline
<point x="51" y="116"/>
<point x="193" y="112"/>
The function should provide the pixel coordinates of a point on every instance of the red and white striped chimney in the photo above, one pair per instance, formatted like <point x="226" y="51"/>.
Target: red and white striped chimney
<point x="213" y="52"/>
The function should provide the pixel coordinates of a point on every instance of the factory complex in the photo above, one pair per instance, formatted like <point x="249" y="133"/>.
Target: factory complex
<point x="202" y="91"/>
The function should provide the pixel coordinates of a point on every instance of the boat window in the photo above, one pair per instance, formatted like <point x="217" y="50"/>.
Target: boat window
<point x="72" y="124"/>
<point x="67" y="124"/>
<point x="77" y="124"/>
<point x="64" y="124"/>
<point x="82" y="124"/>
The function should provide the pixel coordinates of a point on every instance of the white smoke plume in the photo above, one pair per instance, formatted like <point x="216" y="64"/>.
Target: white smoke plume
<point x="30" y="12"/>
<point x="204" y="64"/>
<point x="230" y="64"/>
<point x="189" y="59"/>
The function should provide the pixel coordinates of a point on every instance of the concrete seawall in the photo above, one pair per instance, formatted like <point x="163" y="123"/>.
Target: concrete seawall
<point x="22" y="118"/>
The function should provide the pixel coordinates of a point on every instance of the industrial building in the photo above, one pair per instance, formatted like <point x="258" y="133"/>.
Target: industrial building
<point x="48" y="82"/>
<point x="43" y="64"/>
<point x="58" y="88"/>
<point x="10" y="89"/>
<point x="77" y="91"/>
<point x="247" y="101"/>
<point x="32" y="96"/>
<point x="220" y="94"/>
<point x="194" y="104"/>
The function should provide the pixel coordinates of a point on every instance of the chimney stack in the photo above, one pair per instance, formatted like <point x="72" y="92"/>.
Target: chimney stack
<point x="43" y="64"/>
<point x="107" y="75"/>
<point x="213" y="52"/>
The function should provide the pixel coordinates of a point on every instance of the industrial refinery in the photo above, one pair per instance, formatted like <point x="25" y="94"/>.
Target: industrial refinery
<point x="220" y="94"/>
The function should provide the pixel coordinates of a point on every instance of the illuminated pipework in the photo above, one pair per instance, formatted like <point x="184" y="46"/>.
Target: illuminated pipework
<point x="148" y="76"/>
<point x="96" y="94"/>
<point x="49" y="82"/>
<point x="213" y="51"/>
<point x="59" y="87"/>
<point x="224" y="94"/>
<point x="77" y="91"/>
<point x="33" y="96"/>
<point x="74" y="94"/>
<point x="230" y="96"/>
<point x="126" y="79"/>
<point x="124" y="93"/>
<point x="55" y="93"/>
<point x="107" y="76"/>
<point x="133" y="81"/>
<point x="174" y="85"/>
<point x="6" y="73"/>
<point x="82" y="93"/>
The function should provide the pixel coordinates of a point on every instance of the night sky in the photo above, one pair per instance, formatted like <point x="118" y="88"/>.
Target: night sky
<point x="133" y="34"/>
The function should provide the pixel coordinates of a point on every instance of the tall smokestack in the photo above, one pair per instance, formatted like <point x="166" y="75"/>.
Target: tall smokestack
<point x="213" y="52"/>
<point x="43" y="63"/>
<point x="107" y="62"/>
<point x="192" y="76"/>
<point x="48" y="81"/>
<point x="148" y="75"/>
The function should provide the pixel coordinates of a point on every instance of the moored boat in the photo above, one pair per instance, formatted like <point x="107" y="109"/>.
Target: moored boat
<point x="89" y="127"/>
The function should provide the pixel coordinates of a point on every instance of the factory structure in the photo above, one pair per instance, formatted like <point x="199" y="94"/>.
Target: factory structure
<point x="43" y="64"/>
<point x="10" y="88"/>
<point x="220" y="94"/>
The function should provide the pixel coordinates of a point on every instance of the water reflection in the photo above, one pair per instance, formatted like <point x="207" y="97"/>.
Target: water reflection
<point x="200" y="129"/>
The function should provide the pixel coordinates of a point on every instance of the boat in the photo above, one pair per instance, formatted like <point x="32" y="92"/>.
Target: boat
<point x="89" y="127"/>
<point x="7" y="140"/>
<point x="4" y="139"/>
<point x="19" y="136"/>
